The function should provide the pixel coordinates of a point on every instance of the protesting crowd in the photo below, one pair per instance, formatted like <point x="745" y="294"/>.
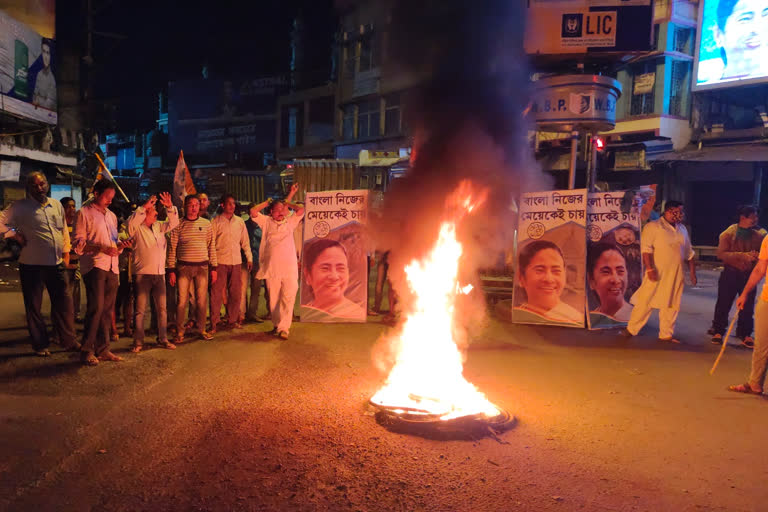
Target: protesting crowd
<point x="182" y="269"/>
<point x="176" y="266"/>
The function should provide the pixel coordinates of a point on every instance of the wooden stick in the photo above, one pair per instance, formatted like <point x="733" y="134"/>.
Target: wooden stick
<point x="111" y="177"/>
<point x="725" y="342"/>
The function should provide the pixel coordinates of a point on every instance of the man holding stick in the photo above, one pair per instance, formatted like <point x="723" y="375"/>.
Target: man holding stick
<point x="756" y="380"/>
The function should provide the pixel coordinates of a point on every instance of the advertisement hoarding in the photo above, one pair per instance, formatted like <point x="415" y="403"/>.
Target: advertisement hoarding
<point x="27" y="72"/>
<point x="219" y="118"/>
<point x="730" y="44"/>
<point x="588" y="26"/>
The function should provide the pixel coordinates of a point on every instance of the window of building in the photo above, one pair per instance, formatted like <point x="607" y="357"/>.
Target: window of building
<point x="643" y="104"/>
<point x="678" y="104"/>
<point x="369" y="53"/>
<point x="392" y="114"/>
<point x="126" y="158"/>
<point x="368" y="119"/>
<point x="293" y="126"/>
<point x="682" y="39"/>
<point x="348" y="122"/>
<point x="655" y="44"/>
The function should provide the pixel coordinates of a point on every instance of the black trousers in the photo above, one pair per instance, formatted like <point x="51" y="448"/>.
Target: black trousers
<point x="101" y="290"/>
<point x="729" y="286"/>
<point x="53" y="278"/>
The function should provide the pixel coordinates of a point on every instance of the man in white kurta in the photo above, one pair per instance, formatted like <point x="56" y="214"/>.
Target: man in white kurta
<point x="665" y="246"/>
<point x="278" y="264"/>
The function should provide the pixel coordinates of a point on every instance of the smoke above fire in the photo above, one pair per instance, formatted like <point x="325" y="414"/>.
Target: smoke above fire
<point x="467" y="121"/>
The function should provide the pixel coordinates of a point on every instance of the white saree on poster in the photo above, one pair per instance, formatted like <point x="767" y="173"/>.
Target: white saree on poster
<point x="334" y="265"/>
<point x="549" y="272"/>
<point x="614" y="264"/>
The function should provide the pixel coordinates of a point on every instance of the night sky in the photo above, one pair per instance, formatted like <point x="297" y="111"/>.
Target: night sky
<point x="169" y="41"/>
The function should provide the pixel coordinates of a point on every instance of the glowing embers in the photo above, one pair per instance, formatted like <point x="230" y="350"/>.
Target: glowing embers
<point x="426" y="383"/>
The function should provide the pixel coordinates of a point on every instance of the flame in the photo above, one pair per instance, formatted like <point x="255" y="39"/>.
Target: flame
<point x="427" y="375"/>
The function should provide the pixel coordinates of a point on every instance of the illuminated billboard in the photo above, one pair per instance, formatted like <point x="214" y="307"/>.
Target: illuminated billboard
<point x="732" y="44"/>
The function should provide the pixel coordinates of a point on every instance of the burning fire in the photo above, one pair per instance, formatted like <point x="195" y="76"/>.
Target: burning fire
<point x="426" y="378"/>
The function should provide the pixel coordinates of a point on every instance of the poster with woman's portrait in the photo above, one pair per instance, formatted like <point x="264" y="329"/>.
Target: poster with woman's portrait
<point x="334" y="264"/>
<point x="549" y="272"/>
<point x="614" y="264"/>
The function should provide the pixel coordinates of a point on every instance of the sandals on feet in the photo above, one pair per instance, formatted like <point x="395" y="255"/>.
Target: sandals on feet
<point x="744" y="388"/>
<point x="136" y="349"/>
<point x="166" y="344"/>
<point x="43" y="353"/>
<point x="748" y="342"/>
<point x="670" y="340"/>
<point x="109" y="356"/>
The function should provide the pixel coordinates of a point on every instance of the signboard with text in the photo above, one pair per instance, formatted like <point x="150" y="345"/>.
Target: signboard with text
<point x="223" y="119"/>
<point x="588" y="26"/>
<point x="550" y="270"/>
<point x="334" y="261"/>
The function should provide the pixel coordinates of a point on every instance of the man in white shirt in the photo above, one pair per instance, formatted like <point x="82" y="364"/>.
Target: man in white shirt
<point x="38" y="224"/>
<point x="231" y="238"/>
<point x="277" y="258"/>
<point x="148" y="266"/>
<point x="97" y="243"/>
<point x="665" y="247"/>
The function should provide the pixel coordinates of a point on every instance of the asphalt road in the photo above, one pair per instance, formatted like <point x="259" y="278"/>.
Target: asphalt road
<point x="246" y="422"/>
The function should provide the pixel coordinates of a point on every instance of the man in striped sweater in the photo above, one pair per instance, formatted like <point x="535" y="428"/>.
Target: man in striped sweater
<point x="191" y="253"/>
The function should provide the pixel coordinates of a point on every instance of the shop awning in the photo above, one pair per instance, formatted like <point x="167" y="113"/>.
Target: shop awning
<point x="746" y="152"/>
<point x="38" y="155"/>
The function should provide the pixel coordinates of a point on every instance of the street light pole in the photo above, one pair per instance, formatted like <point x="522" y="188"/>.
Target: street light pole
<point x="574" y="156"/>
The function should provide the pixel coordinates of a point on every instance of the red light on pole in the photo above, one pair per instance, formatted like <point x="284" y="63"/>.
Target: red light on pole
<point x="599" y="143"/>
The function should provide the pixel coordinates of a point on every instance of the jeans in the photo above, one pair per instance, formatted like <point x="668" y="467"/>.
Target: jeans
<point x="192" y="277"/>
<point x="228" y="281"/>
<point x="74" y="278"/>
<point x="729" y="286"/>
<point x="143" y="286"/>
<point x="101" y="291"/>
<point x="52" y="277"/>
<point x="170" y="299"/>
<point x="124" y="300"/>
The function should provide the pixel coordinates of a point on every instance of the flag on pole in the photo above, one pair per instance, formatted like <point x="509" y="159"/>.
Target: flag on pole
<point x="182" y="180"/>
<point x="105" y="172"/>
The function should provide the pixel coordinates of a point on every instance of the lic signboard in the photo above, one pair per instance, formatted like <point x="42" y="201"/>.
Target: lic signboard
<point x="588" y="26"/>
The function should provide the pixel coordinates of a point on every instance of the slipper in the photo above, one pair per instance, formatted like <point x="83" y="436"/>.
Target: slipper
<point x="748" y="342"/>
<point x="43" y="353"/>
<point x="670" y="340"/>
<point x="166" y="344"/>
<point x="136" y="349"/>
<point x="744" y="388"/>
<point x="109" y="356"/>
